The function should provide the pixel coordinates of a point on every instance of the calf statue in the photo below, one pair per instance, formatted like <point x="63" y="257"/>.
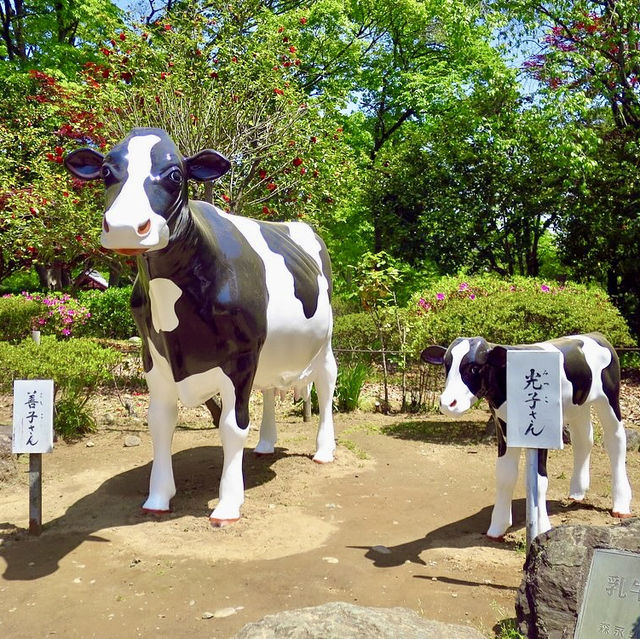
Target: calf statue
<point x="223" y="303"/>
<point x="590" y="376"/>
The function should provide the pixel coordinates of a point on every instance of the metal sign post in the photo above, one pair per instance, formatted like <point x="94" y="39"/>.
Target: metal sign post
<point x="534" y="415"/>
<point x="33" y="434"/>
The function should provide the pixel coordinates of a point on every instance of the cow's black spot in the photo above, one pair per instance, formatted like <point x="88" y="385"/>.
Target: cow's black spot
<point x="222" y="311"/>
<point x="300" y="264"/>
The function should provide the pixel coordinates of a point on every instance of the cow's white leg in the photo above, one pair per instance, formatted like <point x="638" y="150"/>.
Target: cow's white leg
<point x="325" y="382"/>
<point x="268" y="430"/>
<point x="615" y="443"/>
<point x="233" y="437"/>
<point x="506" y="477"/>
<point x="162" y="417"/>
<point x="581" y="431"/>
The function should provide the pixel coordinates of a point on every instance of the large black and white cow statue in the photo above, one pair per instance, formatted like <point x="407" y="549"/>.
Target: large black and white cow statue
<point x="223" y="303"/>
<point x="590" y="376"/>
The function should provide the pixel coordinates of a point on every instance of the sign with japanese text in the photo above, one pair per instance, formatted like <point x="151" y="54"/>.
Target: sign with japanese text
<point x="32" y="416"/>
<point x="534" y="401"/>
<point x="611" y="603"/>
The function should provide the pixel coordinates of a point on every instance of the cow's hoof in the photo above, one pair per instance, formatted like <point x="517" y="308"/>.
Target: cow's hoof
<point x="221" y="523"/>
<point x="499" y="539"/>
<point x="157" y="513"/>
<point x="621" y="515"/>
<point x="323" y="459"/>
<point x="259" y="454"/>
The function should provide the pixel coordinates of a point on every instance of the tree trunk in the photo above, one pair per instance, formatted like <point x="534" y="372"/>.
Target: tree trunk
<point x="53" y="278"/>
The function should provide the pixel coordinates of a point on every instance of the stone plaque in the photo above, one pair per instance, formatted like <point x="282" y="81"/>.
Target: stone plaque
<point x="611" y="603"/>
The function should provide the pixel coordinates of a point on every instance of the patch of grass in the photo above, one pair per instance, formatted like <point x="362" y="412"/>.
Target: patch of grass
<point x="353" y="447"/>
<point x="436" y="431"/>
<point x="508" y="629"/>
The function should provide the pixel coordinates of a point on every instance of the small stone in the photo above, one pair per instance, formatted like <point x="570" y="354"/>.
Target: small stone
<point x="89" y="444"/>
<point x="224" y="612"/>
<point x="109" y="418"/>
<point x="331" y="560"/>
<point x="207" y="615"/>
<point x="383" y="550"/>
<point x="131" y="441"/>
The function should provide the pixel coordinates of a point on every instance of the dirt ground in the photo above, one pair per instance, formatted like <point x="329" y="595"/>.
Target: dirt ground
<point x="397" y="520"/>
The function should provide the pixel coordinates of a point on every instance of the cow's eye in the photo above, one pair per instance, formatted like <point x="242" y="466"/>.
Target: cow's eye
<point x="176" y="176"/>
<point x="105" y="171"/>
<point x="475" y="370"/>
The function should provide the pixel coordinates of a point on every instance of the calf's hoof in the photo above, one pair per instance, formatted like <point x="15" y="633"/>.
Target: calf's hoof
<point x="499" y="539"/>
<point x="618" y="515"/>
<point x="221" y="523"/>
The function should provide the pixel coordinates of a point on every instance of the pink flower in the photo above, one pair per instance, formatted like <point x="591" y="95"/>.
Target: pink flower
<point x="472" y="296"/>
<point x="544" y="288"/>
<point x="440" y="296"/>
<point x="424" y="304"/>
<point x="463" y="286"/>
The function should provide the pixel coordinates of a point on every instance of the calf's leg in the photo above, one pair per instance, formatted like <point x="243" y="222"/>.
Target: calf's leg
<point x="615" y="443"/>
<point x="581" y="431"/>
<point x="506" y="477"/>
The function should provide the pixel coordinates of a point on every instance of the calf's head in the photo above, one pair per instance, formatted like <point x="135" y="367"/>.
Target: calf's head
<point x="474" y="369"/>
<point x="145" y="179"/>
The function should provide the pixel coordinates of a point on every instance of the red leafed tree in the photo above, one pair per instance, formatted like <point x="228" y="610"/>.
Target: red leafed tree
<point x="593" y="47"/>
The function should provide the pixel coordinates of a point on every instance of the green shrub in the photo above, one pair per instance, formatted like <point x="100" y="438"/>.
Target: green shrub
<point x="349" y="386"/>
<point x="17" y="315"/>
<point x="355" y="330"/>
<point x="21" y="281"/>
<point x="76" y="366"/>
<point x="110" y="313"/>
<point x="510" y="311"/>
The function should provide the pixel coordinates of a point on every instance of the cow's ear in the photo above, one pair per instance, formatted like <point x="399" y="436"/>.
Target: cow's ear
<point x="206" y="165"/>
<point x="434" y="354"/>
<point x="85" y="164"/>
<point x="497" y="357"/>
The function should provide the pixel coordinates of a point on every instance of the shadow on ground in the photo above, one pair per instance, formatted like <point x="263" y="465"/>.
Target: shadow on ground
<point x="117" y="503"/>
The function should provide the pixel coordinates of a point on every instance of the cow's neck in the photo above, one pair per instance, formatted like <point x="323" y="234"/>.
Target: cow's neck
<point x="178" y="254"/>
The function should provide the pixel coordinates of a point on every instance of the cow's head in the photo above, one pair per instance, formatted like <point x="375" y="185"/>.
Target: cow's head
<point x="474" y="369"/>
<point x="145" y="179"/>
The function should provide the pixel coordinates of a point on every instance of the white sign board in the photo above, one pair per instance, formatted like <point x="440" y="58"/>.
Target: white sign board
<point x="534" y="400"/>
<point x="32" y="416"/>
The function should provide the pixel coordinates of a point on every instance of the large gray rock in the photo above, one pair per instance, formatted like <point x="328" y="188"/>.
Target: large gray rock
<point x="555" y="575"/>
<point x="339" y="620"/>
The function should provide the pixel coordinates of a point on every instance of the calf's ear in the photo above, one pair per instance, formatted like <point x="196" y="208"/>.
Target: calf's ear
<point x="85" y="164"/>
<point x="206" y="165"/>
<point x="433" y="354"/>
<point x="497" y="357"/>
